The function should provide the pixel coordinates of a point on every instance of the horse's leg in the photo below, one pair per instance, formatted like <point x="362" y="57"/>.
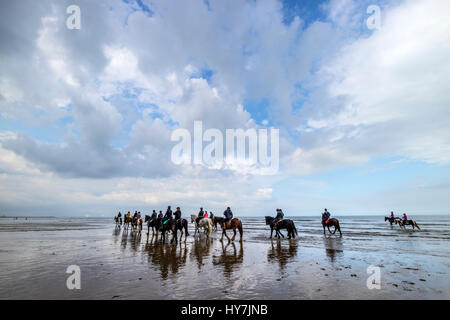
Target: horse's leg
<point x="225" y="232"/>
<point x="234" y="235"/>
<point x="271" y="232"/>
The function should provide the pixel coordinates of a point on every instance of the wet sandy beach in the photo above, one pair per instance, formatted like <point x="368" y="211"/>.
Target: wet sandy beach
<point x="116" y="264"/>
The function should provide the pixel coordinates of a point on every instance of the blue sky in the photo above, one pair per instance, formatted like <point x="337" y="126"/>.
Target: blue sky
<point x="85" y="127"/>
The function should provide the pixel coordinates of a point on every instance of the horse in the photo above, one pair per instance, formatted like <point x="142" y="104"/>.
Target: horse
<point x="390" y="219"/>
<point x="404" y="223"/>
<point x="179" y="225"/>
<point x="127" y="222"/>
<point x="205" y="223"/>
<point x="118" y="221"/>
<point x="136" y="223"/>
<point x="234" y="224"/>
<point x="282" y="224"/>
<point x="166" y="226"/>
<point x="153" y="223"/>
<point x="217" y="220"/>
<point x="331" y="222"/>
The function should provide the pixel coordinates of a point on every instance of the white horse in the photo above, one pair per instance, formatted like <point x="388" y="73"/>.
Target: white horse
<point x="205" y="223"/>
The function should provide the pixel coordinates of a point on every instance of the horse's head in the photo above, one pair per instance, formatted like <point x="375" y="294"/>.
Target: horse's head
<point x="193" y="218"/>
<point x="147" y="217"/>
<point x="386" y="218"/>
<point x="269" y="219"/>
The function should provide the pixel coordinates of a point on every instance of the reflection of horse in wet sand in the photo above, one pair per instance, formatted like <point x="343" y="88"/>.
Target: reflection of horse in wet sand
<point x="282" y="224"/>
<point x="233" y="224"/>
<point x="167" y="257"/>
<point x="281" y="254"/>
<point x="229" y="260"/>
<point x="201" y="250"/>
<point x="333" y="246"/>
<point x="331" y="222"/>
<point x="205" y="223"/>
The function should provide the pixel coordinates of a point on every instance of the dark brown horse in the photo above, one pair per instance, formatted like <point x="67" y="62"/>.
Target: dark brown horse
<point x="180" y="225"/>
<point x="331" y="222"/>
<point x="282" y="224"/>
<point x="234" y="224"/>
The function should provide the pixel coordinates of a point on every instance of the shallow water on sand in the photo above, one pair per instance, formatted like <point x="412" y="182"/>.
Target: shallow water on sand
<point x="116" y="264"/>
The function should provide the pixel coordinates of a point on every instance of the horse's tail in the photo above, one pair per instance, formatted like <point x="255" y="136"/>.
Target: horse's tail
<point x="241" y="230"/>
<point x="186" y="227"/>
<point x="338" y="226"/>
<point x="416" y="225"/>
<point x="295" y="229"/>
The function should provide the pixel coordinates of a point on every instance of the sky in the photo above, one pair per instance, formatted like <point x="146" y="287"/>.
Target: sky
<point x="86" y="115"/>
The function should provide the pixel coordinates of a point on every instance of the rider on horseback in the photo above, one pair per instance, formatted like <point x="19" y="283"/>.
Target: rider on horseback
<point x="228" y="215"/>
<point x="160" y="215"/>
<point x="177" y="215"/>
<point x="325" y="216"/>
<point x="200" y="216"/>
<point x="279" y="217"/>
<point x="154" y="215"/>
<point x="392" y="214"/>
<point x="168" y="215"/>
<point x="405" y="218"/>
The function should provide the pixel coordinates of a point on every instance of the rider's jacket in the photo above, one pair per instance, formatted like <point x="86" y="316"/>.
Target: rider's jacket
<point x="280" y="215"/>
<point x="325" y="215"/>
<point x="177" y="214"/>
<point x="168" y="214"/>
<point x="160" y="215"/>
<point x="154" y="215"/>
<point x="228" y="214"/>
<point x="201" y="214"/>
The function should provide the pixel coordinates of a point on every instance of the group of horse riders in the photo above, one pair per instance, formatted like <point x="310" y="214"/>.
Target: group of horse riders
<point x="169" y="215"/>
<point x="404" y="218"/>
<point x="133" y="220"/>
